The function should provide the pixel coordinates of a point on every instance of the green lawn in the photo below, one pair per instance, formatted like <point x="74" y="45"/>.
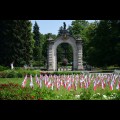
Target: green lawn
<point x="11" y="80"/>
<point x="10" y="89"/>
<point x="62" y="92"/>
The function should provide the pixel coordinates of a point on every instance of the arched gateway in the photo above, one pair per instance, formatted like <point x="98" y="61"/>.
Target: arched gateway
<point x="76" y="44"/>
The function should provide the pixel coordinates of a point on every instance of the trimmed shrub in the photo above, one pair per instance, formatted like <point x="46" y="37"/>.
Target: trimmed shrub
<point x="18" y="73"/>
<point x="2" y="68"/>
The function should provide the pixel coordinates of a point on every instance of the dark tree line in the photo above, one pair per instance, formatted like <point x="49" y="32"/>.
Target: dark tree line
<point x="16" y="42"/>
<point x="104" y="43"/>
<point x="101" y="42"/>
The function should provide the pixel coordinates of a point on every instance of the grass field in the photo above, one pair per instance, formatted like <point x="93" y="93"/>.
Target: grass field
<point x="10" y="89"/>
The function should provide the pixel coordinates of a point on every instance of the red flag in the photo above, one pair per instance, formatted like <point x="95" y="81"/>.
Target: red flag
<point x="69" y="86"/>
<point x="31" y="82"/>
<point x="24" y="82"/>
<point x="95" y="87"/>
<point x="111" y="85"/>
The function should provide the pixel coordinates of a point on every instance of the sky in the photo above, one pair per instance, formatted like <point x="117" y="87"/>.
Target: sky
<point x="52" y="26"/>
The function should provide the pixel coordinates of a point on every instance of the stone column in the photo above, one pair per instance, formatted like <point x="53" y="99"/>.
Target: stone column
<point x="50" y="54"/>
<point x="79" y="53"/>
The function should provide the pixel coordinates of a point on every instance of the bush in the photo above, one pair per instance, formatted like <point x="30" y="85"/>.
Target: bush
<point x="37" y="64"/>
<point x="3" y="74"/>
<point x="63" y="72"/>
<point x="18" y="68"/>
<point x="11" y="74"/>
<point x="18" y="73"/>
<point x="102" y="71"/>
<point x="113" y="68"/>
<point x="2" y="68"/>
<point x="13" y="91"/>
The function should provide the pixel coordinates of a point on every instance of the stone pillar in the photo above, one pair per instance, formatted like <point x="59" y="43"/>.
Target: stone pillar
<point x="79" y="53"/>
<point x="50" y="54"/>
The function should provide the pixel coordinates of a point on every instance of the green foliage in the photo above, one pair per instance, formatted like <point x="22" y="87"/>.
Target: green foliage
<point x="21" y="73"/>
<point x="37" y="45"/>
<point x="66" y="72"/>
<point x="36" y="36"/>
<point x="36" y="55"/>
<point x="64" y="50"/>
<point x="102" y="71"/>
<point x="18" y="73"/>
<point x="79" y="28"/>
<point x="3" y="74"/>
<point x="13" y="91"/>
<point x="11" y="74"/>
<point x="16" y="42"/>
<point x="104" y="43"/>
<point x="101" y="43"/>
<point x="113" y="67"/>
<point x="10" y="89"/>
<point x="85" y="95"/>
<point x="2" y="68"/>
<point x="45" y="45"/>
<point x="37" y="64"/>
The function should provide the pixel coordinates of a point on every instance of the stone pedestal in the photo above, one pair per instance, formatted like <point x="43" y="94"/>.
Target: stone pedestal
<point x="50" y="54"/>
<point x="79" y="54"/>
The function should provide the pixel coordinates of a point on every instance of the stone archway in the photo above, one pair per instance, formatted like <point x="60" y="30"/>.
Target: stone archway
<point x="65" y="38"/>
<point x="77" y="51"/>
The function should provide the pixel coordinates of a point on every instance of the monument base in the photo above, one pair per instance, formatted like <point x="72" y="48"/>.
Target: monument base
<point x="80" y="68"/>
<point x="50" y="70"/>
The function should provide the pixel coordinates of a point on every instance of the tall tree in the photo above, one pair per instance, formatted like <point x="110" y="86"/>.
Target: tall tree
<point x="105" y="44"/>
<point x="45" y="45"/>
<point x="36" y="37"/>
<point x="36" y="32"/>
<point x="28" y="41"/>
<point x="77" y="27"/>
<point x="87" y="35"/>
<point x="16" y="42"/>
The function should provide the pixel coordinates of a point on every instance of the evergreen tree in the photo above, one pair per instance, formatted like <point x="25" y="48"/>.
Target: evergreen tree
<point x="16" y="42"/>
<point x="36" y="37"/>
<point x="45" y="45"/>
<point x="104" y="44"/>
<point x="64" y="50"/>
<point x="36" y="34"/>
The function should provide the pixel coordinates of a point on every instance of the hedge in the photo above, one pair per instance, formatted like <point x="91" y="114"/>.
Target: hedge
<point x="22" y="73"/>
<point x="18" y="73"/>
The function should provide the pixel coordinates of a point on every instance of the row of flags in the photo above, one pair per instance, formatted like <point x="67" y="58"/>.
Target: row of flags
<point x="75" y="81"/>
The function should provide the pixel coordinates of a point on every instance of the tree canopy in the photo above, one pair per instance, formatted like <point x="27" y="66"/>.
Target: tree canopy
<point x="18" y="44"/>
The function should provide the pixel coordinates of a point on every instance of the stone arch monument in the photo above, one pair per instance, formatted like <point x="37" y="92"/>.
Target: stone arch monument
<point x="76" y="44"/>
